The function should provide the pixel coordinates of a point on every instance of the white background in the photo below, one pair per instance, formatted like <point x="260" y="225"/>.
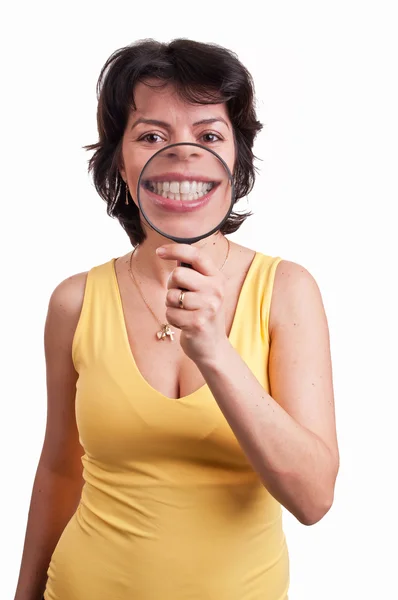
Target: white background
<point x="326" y="83"/>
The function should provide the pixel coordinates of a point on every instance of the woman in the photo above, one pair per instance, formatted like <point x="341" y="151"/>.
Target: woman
<point x="190" y="442"/>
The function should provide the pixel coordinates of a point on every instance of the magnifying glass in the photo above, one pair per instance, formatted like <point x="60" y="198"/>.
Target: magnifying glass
<point x="185" y="192"/>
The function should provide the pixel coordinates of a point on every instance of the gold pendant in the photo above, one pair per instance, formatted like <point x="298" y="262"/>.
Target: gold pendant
<point x="164" y="332"/>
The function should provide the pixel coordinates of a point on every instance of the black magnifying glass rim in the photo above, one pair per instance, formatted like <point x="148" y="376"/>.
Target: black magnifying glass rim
<point x="188" y="240"/>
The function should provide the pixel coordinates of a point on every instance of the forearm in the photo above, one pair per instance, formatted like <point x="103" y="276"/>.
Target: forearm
<point x="54" y="500"/>
<point x="293" y="463"/>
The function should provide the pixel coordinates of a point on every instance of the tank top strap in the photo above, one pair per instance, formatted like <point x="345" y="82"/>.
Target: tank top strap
<point x="101" y="311"/>
<point x="255" y="299"/>
<point x="250" y="330"/>
<point x="98" y="314"/>
<point x="267" y="266"/>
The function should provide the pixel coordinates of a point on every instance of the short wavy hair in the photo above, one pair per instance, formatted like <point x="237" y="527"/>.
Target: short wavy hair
<point x="201" y="73"/>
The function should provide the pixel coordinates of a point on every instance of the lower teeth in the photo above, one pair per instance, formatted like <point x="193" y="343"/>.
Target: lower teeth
<point x="183" y="197"/>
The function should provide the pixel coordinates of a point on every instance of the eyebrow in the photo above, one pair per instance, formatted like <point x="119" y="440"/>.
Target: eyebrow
<point x="168" y="126"/>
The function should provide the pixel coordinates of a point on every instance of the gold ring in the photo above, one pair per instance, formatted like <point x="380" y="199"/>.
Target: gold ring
<point x="181" y="299"/>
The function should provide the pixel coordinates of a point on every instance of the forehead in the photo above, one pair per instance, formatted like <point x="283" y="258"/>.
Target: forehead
<point x="164" y="103"/>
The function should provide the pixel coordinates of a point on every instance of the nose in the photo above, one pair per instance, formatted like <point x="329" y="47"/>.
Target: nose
<point x="184" y="151"/>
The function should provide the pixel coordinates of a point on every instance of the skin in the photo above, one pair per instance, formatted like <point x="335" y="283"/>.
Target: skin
<point x="177" y="122"/>
<point x="145" y="135"/>
<point x="288" y="436"/>
<point x="172" y="121"/>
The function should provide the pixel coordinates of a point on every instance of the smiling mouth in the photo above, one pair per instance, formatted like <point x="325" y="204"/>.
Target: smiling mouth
<point x="180" y="190"/>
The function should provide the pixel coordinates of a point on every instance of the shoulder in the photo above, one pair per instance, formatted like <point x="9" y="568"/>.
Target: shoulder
<point x="293" y="278"/>
<point x="295" y="293"/>
<point x="68" y="294"/>
<point x="66" y="301"/>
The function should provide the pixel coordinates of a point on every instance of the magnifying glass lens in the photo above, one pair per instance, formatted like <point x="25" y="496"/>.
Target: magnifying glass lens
<point x="185" y="192"/>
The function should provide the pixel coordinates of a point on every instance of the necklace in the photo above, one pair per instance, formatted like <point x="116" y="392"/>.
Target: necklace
<point x="165" y="329"/>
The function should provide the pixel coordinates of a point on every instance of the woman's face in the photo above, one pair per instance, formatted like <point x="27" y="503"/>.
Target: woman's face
<point x="162" y="118"/>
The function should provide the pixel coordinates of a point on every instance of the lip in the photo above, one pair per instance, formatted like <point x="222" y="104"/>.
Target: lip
<point x="179" y="206"/>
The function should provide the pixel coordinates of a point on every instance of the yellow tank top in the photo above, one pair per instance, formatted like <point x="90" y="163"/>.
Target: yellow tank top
<point x="171" y="509"/>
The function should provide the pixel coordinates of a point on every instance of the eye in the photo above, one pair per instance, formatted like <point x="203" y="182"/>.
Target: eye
<point x="211" y="137"/>
<point x="151" y="138"/>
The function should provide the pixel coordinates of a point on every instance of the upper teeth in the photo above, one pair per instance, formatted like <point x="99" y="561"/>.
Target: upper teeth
<point x="182" y="187"/>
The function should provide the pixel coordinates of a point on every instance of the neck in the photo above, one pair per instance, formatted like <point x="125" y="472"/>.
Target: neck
<point x="146" y="263"/>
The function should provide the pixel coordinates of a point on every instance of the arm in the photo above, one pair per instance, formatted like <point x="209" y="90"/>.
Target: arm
<point x="289" y="437"/>
<point x="58" y="482"/>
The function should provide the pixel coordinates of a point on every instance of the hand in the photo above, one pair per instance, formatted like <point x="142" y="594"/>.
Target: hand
<point x="202" y="320"/>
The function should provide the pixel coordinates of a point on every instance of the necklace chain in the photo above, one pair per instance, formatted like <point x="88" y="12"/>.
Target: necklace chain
<point x="165" y="327"/>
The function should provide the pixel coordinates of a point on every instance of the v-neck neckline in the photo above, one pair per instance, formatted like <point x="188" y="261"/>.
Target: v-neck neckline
<point x="123" y="326"/>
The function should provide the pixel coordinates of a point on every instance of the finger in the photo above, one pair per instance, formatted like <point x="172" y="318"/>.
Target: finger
<point x="191" y="300"/>
<point x="185" y="319"/>
<point x="200" y="261"/>
<point x="187" y="279"/>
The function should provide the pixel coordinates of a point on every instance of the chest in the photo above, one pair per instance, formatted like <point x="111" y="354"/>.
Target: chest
<point x="162" y="362"/>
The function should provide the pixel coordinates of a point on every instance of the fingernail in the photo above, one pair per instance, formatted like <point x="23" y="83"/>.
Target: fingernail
<point x="160" y="251"/>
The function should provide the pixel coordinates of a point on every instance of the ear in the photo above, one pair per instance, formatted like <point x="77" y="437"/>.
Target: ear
<point x="121" y="169"/>
<point x="122" y="173"/>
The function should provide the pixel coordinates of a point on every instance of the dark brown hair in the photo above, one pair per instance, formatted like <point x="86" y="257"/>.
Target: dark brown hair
<point x="202" y="73"/>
